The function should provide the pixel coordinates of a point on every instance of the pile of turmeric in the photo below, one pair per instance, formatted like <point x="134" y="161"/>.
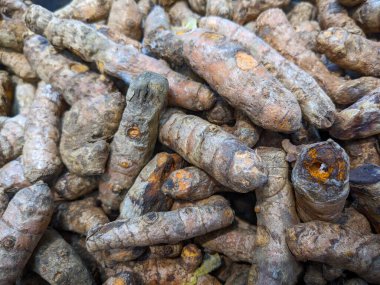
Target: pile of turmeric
<point x="194" y="142"/>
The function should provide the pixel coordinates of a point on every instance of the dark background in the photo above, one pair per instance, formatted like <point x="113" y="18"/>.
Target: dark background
<point x="52" y="5"/>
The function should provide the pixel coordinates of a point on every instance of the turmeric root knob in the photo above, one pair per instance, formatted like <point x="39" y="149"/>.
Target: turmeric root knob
<point x="320" y="179"/>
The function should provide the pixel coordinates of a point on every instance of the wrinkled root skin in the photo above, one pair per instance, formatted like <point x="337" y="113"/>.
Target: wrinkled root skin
<point x="350" y="51"/>
<point x="334" y="245"/>
<point x="320" y="179"/>
<point x="21" y="227"/>
<point x="134" y="141"/>
<point x="208" y="147"/>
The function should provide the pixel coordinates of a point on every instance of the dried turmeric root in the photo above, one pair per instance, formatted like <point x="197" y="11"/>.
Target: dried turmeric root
<point x="276" y="212"/>
<point x="71" y="186"/>
<point x="57" y="262"/>
<point x="302" y="12"/>
<point x="11" y="138"/>
<point x="208" y="147"/>
<point x="337" y="246"/>
<point x="332" y="14"/>
<point x="124" y="62"/>
<point x="368" y="17"/>
<point x="240" y="66"/>
<point x="181" y="270"/>
<point x="21" y="227"/>
<point x="237" y="241"/>
<point x="359" y="120"/>
<point x="275" y="29"/>
<point x="148" y="230"/>
<point x="79" y="216"/>
<point x="96" y="107"/>
<point x="125" y="18"/>
<point x="146" y="195"/>
<point x="365" y="190"/>
<point x="320" y="180"/>
<point x="248" y="10"/>
<point x="17" y="64"/>
<point x="12" y="177"/>
<point x="6" y="94"/>
<point x="85" y="10"/>
<point x="24" y="93"/>
<point x="190" y="184"/>
<point x="134" y="141"/>
<point x="350" y="51"/>
<point x="363" y="151"/>
<point x="316" y="107"/>
<point x="12" y="33"/>
<point x="40" y="155"/>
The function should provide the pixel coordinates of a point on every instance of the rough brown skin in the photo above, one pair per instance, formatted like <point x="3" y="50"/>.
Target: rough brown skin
<point x="351" y="3"/>
<point x="124" y="62"/>
<point x="11" y="138"/>
<point x="316" y="107"/>
<point x="125" y="18"/>
<point x="96" y="107"/>
<point x="24" y="93"/>
<point x="57" y="262"/>
<point x="244" y="130"/>
<point x="360" y="120"/>
<point x="365" y="190"/>
<point x="4" y="200"/>
<point x="145" y="6"/>
<point x="14" y="8"/>
<point x="165" y="3"/>
<point x="181" y="15"/>
<point x="12" y="33"/>
<point x="134" y="141"/>
<point x="301" y="12"/>
<point x="307" y="32"/>
<point x="198" y="6"/>
<point x="320" y="180"/>
<point x="337" y="246"/>
<point x="220" y="114"/>
<point x="272" y="262"/>
<point x="363" y="151"/>
<point x="145" y="194"/>
<point x="350" y="51"/>
<point x="243" y="82"/>
<point x="40" y="154"/>
<point x="367" y="16"/>
<point x="71" y="186"/>
<point x="78" y="243"/>
<point x="12" y="177"/>
<point x="85" y="10"/>
<point x="147" y="230"/>
<point x="221" y="8"/>
<point x="124" y="278"/>
<point x="79" y="216"/>
<point x="236" y="242"/>
<point x="190" y="184"/>
<point x="353" y="220"/>
<point x="332" y="14"/>
<point x="248" y="10"/>
<point x="167" y="271"/>
<point x="21" y="227"/>
<point x="165" y="250"/>
<point x="275" y="29"/>
<point x="6" y="93"/>
<point x="211" y="149"/>
<point x="17" y="64"/>
<point x="117" y="37"/>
